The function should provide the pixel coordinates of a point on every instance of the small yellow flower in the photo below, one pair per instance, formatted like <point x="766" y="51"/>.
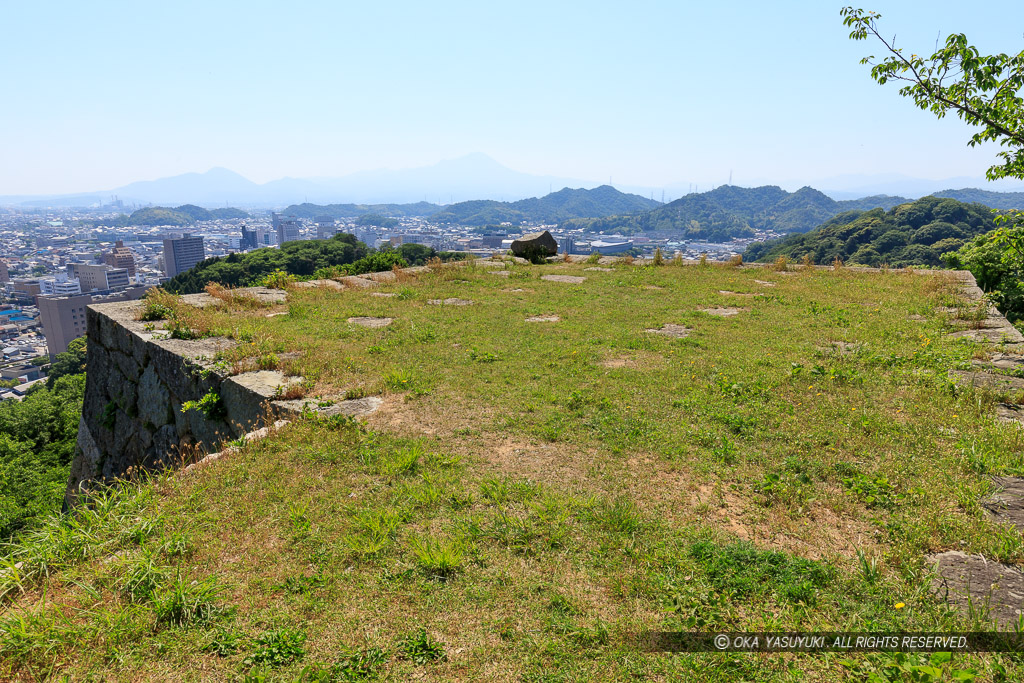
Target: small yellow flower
<point x="899" y="605"/>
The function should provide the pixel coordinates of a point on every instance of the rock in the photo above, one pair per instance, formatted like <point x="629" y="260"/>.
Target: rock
<point x="672" y="330"/>
<point x="765" y="283"/>
<point x="535" y="243"/>
<point x="971" y="579"/>
<point x="359" y="282"/>
<point x="600" y="269"/>
<point x="1008" y="412"/>
<point x="450" y="302"/>
<point x="355" y="407"/>
<point x="570" y="279"/>
<point x="1007" y="503"/>
<point x="987" y="379"/>
<point x="366" y="321"/>
<point x="387" y="295"/>
<point x="720" y="311"/>
<point x="154" y="399"/>
<point x="316" y="284"/>
<point x="543" y="319"/>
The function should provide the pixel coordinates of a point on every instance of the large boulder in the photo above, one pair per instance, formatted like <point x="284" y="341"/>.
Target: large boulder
<point x="535" y="244"/>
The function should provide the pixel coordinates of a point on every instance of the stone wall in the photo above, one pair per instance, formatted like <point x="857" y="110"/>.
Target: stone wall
<point x="136" y="383"/>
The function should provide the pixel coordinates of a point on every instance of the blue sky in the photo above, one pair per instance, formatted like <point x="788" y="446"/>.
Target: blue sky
<point x="648" y="93"/>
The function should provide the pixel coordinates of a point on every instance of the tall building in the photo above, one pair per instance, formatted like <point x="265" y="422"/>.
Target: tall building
<point x="121" y="257"/>
<point x="63" y="317"/>
<point x="93" y="276"/>
<point x="5" y="275"/>
<point x="182" y="253"/>
<point x="287" y="227"/>
<point x="325" y="228"/>
<point x="249" y="240"/>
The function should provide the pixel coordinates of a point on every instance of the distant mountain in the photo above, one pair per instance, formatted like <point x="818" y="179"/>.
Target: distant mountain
<point x="552" y="208"/>
<point x="355" y="210"/>
<point x="995" y="200"/>
<point x="726" y="212"/>
<point x="915" y="233"/>
<point x="475" y="176"/>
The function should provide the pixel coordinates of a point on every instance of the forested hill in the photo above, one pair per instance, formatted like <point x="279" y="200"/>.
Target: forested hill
<point x="355" y="210"/>
<point x="729" y="211"/>
<point x="552" y="208"/>
<point x="915" y="233"/>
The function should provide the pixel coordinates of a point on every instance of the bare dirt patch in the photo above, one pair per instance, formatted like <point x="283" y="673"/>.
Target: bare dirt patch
<point x="365" y="321"/>
<point x="726" y="292"/>
<point x="543" y="319"/>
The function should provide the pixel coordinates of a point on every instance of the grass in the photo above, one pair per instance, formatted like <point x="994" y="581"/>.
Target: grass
<point x="531" y="494"/>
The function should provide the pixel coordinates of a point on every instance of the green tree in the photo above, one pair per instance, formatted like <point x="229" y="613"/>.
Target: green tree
<point x="982" y="90"/>
<point x="71" y="362"/>
<point x="985" y="92"/>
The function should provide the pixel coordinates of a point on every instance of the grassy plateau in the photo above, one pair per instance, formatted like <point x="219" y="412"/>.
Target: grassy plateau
<point x="533" y="493"/>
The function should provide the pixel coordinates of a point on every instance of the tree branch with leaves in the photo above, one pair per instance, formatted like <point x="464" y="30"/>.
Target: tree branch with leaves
<point x="982" y="90"/>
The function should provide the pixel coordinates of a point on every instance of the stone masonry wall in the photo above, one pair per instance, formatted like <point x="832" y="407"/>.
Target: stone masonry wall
<point x="136" y="383"/>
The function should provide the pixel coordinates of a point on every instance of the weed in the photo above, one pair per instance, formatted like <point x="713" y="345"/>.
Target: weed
<point x="209" y="405"/>
<point x="482" y="356"/>
<point x="224" y="643"/>
<point x="439" y="558"/>
<point x="419" y="648"/>
<point x="185" y="602"/>
<point x="278" y="648"/>
<point x="746" y="571"/>
<point x="109" y="415"/>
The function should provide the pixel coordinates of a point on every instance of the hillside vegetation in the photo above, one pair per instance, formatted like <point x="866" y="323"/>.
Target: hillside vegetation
<point x="545" y="478"/>
<point x="916" y="233"/>
<point x="552" y="208"/>
<point x="299" y="257"/>
<point x="727" y="212"/>
<point x="37" y="441"/>
<point x="311" y="211"/>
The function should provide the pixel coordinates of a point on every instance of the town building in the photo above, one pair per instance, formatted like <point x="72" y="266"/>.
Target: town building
<point x="63" y="317"/>
<point x="121" y="257"/>
<point x="182" y="253"/>
<point x="287" y="228"/>
<point x="98" y="276"/>
<point x="325" y="228"/>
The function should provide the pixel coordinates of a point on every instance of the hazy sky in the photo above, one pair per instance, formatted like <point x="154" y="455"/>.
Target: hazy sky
<point x="99" y="94"/>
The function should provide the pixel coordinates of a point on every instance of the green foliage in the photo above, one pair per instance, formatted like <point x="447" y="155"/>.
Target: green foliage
<point x="438" y="558"/>
<point x="982" y="90"/>
<point x="420" y="648"/>
<point x="996" y="260"/>
<point x="209" y="405"/>
<point x="909" y="234"/>
<point x="278" y="648"/>
<point x="743" y="570"/>
<point x="376" y="220"/>
<point x="37" y="442"/>
<point x="557" y="206"/>
<point x="300" y="258"/>
<point x="71" y="362"/>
